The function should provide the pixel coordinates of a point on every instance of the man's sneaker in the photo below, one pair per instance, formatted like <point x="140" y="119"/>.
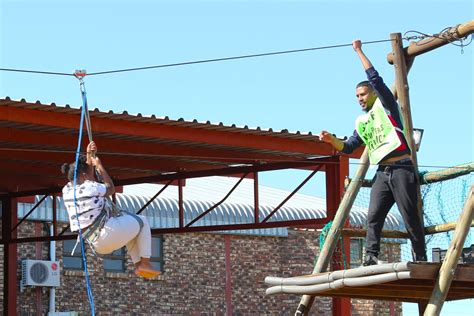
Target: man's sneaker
<point x="370" y="260"/>
<point x="421" y="258"/>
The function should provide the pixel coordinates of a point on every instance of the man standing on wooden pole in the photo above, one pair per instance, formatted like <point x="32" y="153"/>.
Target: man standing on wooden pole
<point x="381" y="129"/>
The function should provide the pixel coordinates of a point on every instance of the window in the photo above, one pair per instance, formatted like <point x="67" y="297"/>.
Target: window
<point x="356" y="252"/>
<point x="115" y="261"/>
<point x="74" y="261"/>
<point x="157" y="252"/>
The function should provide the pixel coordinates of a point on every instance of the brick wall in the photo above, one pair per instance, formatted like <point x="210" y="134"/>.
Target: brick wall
<point x="193" y="280"/>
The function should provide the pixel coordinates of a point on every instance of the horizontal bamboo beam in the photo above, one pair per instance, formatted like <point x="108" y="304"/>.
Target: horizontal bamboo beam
<point x="429" y="230"/>
<point x="448" y="173"/>
<point x="432" y="177"/>
<point x="435" y="41"/>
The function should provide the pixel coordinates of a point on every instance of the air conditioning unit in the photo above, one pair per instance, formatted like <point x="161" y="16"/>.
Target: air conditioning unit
<point x="39" y="273"/>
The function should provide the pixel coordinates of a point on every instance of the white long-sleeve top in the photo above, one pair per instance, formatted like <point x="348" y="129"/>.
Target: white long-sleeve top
<point x="90" y="200"/>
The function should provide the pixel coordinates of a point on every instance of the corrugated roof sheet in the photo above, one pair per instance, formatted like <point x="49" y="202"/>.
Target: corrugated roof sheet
<point x="139" y="117"/>
<point x="202" y="193"/>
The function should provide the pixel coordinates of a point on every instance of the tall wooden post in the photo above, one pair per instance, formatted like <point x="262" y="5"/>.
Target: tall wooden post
<point x="340" y="218"/>
<point x="401" y="86"/>
<point x="446" y="272"/>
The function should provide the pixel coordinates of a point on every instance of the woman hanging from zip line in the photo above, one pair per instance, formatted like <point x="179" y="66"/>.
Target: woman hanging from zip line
<point x="105" y="229"/>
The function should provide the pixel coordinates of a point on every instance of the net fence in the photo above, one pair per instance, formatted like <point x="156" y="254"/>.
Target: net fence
<point x="443" y="203"/>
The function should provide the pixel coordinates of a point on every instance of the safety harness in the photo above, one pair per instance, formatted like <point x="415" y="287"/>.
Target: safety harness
<point x="92" y="232"/>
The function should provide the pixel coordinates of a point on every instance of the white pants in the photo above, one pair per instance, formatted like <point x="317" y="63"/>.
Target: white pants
<point x="125" y="231"/>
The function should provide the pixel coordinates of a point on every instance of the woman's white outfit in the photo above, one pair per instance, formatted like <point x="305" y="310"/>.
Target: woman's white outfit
<point x="119" y="231"/>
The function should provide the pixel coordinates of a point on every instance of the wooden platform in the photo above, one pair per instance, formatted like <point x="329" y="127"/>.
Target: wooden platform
<point x="418" y="288"/>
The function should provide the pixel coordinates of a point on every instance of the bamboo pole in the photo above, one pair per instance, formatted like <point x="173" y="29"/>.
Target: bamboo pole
<point x="334" y="233"/>
<point x="434" y="176"/>
<point x="430" y="230"/>
<point x="437" y="40"/>
<point x="401" y="82"/>
<point x="448" y="267"/>
<point x="449" y="173"/>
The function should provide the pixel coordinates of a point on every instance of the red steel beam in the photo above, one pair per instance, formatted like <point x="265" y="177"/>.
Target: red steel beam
<point x="316" y="223"/>
<point x="217" y="204"/>
<point x="194" y="229"/>
<point x="114" y="164"/>
<point x="29" y="213"/>
<point x="162" y="131"/>
<point x="154" y="197"/>
<point x="231" y="170"/>
<point x="35" y="169"/>
<point x="291" y="194"/>
<point x="23" y="185"/>
<point x="9" y="219"/>
<point x="117" y="145"/>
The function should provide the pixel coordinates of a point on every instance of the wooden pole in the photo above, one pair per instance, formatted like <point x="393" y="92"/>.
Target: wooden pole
<point x="448" y="173"/>
<point x="335" y="231"/>
<point x="430" y="230"/>
<point x="434" y="176"/>
<point x="448" y="267"/>
<point x="401" y="83"/>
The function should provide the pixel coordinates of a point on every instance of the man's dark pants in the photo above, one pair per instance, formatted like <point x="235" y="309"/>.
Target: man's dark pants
<point x="395" y="184"/>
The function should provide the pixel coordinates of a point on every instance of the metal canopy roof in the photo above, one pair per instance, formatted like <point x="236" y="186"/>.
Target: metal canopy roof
<point x="35" y="139"/>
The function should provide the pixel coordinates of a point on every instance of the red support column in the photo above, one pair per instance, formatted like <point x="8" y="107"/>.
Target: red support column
<point x="9" y="220"/>
<point x="336" y="172"/>
<point x="180" y="203"/>
<point x="256" y="210"/>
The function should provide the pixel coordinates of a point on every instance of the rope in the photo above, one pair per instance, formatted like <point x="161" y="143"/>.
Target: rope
<point x="322" y="239"/>
<point x="84" y="259"/>
<point x="80" y="74"/>
<point x="450" y="34"/>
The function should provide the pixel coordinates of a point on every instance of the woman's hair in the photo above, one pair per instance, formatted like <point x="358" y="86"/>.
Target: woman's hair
<point x="68" y="168"/>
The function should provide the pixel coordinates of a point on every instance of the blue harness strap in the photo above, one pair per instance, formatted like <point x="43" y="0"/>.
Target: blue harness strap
<point x="81" y="237"/>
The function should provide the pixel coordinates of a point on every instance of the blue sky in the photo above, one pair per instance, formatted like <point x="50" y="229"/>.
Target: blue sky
<point x="304" y="91"/>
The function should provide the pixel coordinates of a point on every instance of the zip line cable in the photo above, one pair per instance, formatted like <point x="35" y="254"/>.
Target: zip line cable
<point x="37" y="72"/>
<point x="232" y="58"/>
<point x="197" y="61"/>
